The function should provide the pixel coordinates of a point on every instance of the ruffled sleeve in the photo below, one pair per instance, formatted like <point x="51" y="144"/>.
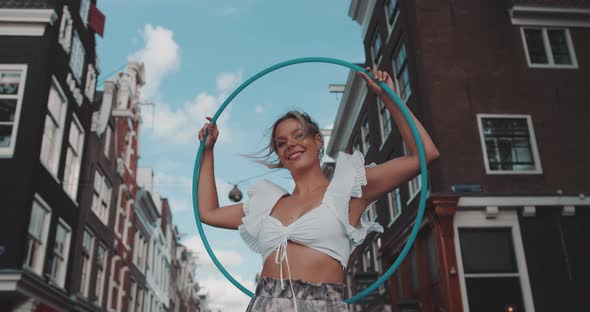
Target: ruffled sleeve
<point x="348" y="180"/>
<point x="261" y="199"/>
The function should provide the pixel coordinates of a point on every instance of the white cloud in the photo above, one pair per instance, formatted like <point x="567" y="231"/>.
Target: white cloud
<point x="183" y="185"/>
<point x="259" y="109"/>
<point x="228" y="81"/>
<point x="161" y="56"/>
<point x="224" y="296"/>
<point x="181" y="125"/>
<point x="230" y="258"/>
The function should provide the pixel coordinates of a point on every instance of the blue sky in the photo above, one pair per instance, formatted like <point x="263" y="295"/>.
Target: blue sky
<point x="196" y="52"/>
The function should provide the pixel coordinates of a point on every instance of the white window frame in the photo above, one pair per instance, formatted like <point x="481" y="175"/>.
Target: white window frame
<point x="101" y="196"/>
<point x="8" y="151"/>
<point x="72" y="178"/>
<point x="90" y="83"/>
<point x="365" y="132"/>
<point x="382" y="121"/>
<point x="367" y="258"/>
<point x="532" y="137"/>
<point x="51" y="147"/>
<point x="87" y="257"/>
<point x="548" y="51"/>
<point x="391" y="24"/>
<point x="65" y="30"/>
<point x="398" y="79"/>
<point x="504" y="219"/>
<point x="101" y="277"/>
<point x="415" y="184"/>
<point x="77" y="57"/>
<point x="39" y="243"/>
<point x="107" y="142"/>
<point x="394" y="199"/>
<point x="84" y="11"/>
<point x="57" y="272"/>
<point x="376" y="59"/>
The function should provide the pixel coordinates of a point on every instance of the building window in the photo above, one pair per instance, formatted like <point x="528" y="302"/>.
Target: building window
<point x="392" y="8"/>
<point x="54" y="128"/>
<point x="65" y="30"/>
<point x="77" y="58"/>
<point x="509" y="145"/>
<point x="87" y="248"/>
<point x="395" y="206"/>
<point x="101" y="267"/>
<point x="132" y="293"/>
<point x="489" y="266"/>
<point x="357" y="144"/>
<point x="84" y="8"/>
<point x="368" y="263"/>
<point x="90" y="83"/>
<point x="73" y="158"/>
<point x="365" y="133"/>
<point x="402" y="77"/>
<point x="107" y="142"/>
<point x="385" y="121"/>
<point x="12" y="85"/>
<point x="58" y="261"/>
<point x="548" y="47"/>
<point x="376" y="47"/>
<point x="37" y="235"/>
<point x="415" y="184"/>
<point x="101" y="197"/>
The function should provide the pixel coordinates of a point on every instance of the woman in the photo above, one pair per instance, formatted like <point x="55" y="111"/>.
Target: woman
<point x="305" y="238"/>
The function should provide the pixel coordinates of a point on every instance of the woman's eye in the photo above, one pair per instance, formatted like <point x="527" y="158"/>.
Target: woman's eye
<point x="279" y="144"/>
<point x="299" y="135"/>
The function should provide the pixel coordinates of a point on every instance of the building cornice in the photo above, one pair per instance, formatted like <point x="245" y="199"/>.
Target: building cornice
<point x="348" y="112"/>
<point x="25" y="22"/>
<point x="529" y="15"/>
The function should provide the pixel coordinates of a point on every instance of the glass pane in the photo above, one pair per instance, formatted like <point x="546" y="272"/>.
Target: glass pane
<point x="7" y="110"/>
<point x="559" y="46"/>
<point x="535" y="46"/>
<point x="494" y="294"/>
<point x="54" y="103"/>
<point x="74" y="136"/>
<point x="487" y="250"/>
<point x="5" y="135"/>
<point x="400" y="59"/>
<point x="392" y="11"/>
<point x="9" y="83"/>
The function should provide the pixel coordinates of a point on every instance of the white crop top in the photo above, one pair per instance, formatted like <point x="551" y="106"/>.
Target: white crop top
<point x="325" y="228"/>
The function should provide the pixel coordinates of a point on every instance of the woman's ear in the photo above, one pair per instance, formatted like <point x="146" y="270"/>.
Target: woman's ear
<point x="319" y="140"/>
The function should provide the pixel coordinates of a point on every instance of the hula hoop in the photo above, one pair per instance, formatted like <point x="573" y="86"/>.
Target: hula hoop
<point x="421" y="157"/>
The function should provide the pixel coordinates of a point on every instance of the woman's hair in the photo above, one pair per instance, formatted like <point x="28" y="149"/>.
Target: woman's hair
<point x="265" y="155"/>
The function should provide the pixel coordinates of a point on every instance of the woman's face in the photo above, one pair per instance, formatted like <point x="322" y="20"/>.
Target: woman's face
<point x="294" y="148"/>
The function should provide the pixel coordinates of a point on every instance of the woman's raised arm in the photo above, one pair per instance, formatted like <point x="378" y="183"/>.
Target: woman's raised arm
<point x="228" y="217"/>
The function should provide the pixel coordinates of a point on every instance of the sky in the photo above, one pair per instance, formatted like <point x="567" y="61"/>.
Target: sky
<point x="196" y="52"/>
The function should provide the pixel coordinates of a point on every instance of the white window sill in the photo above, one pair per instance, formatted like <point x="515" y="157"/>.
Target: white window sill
<point x="553" y="66"/>
<point x="514" y="172"/>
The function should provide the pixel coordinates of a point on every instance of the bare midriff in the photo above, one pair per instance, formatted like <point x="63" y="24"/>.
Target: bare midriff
<point x="306" y="264"/>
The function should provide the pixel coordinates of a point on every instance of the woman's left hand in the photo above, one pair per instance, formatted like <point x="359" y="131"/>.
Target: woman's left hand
<point x="379" y="75"/>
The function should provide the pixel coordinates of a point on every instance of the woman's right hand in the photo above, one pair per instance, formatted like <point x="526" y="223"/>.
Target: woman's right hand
<point x="213" y="134"/>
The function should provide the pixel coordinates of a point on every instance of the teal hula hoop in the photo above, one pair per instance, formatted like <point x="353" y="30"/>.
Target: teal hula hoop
<point x="421" y="156"/>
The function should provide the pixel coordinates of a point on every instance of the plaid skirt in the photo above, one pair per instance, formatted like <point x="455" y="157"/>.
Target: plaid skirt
<point x="271" y="297"/>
